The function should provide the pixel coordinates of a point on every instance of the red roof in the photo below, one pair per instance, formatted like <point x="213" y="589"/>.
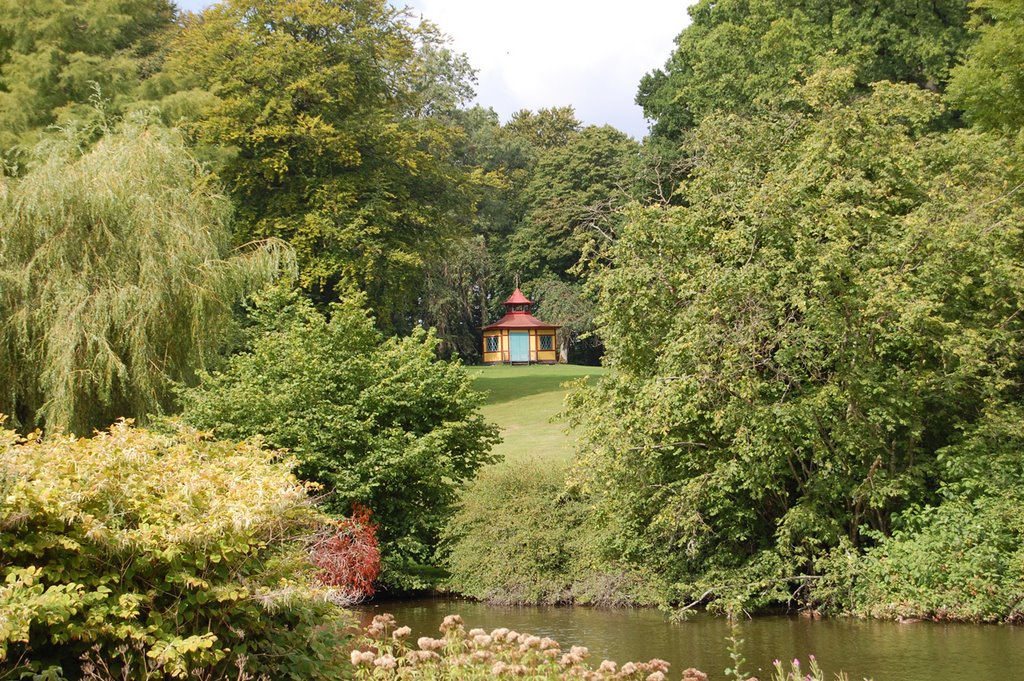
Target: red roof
<point x="517" y="298"/>
<point x="520" y="320"/>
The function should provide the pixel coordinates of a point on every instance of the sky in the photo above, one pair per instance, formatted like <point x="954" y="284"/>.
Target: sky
<point x="530" y="54"/>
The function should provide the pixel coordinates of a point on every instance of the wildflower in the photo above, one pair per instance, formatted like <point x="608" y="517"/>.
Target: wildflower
<point x="630" y="668"/>
<point x="459" y="661"/>
<point x="427" y="643"/>
<point x="473" y="633"/>
<point x="400" y="633"/>
<point x="386" y="661"/>
<point x="481" y="656"/>
<point x="582" y="651"/>
<point x="659" y="665"/>
<point x="607" y="667"/>
<point x="482" y="640"/>
<point x="512" y="636"/>
<point x="552" y="653"/>
<point x="380" y="624"/>
<point x="498" y="669"/>
<point x="360" y="658"/>
<point x="569" y="659"/>
<point x="451" y="623"/>
<point x="692" y="674"/>
<point x="656" y="676"/>
<point x="499" y="634"/>
<point x="548" y="643"/>
<point x="531" y="641"/>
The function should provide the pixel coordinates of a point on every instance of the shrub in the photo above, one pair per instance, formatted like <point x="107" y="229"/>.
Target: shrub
<point x="173" y="555"/>
<point x="521" y="535"/>
<point x="348" y="556"/>
<point x="379" y="422"/>
<point x="961" y="560"/>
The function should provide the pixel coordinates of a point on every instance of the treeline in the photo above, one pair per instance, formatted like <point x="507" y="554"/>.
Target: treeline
<point x="341" y="129"/>
<point x="815" y="337"/>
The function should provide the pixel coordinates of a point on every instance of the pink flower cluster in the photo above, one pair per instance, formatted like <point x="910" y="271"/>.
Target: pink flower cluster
<point x="383" y="653"/>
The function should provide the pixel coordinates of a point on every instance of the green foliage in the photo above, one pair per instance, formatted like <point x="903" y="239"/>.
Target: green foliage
<point x="989" y="84"/>
<point x="566" y="304"/>
<point x="380" y="422"/>
<point x="572" y="191"/>
<point x="186" y="551"/>
<point x="835" y="306"/>
<point x="334" y="113"/>
<point x="522" y="536"/>
<point x="544" y="129"/>
<point x="746" y="55"/>
<point x="117" y="278"/>
<point x="456" y="297"/>
<point x="960" y="560"/>
<point x="55" y="55"/>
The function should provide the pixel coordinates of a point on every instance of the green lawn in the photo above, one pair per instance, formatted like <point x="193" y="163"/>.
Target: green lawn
<point x="523" y="400"/>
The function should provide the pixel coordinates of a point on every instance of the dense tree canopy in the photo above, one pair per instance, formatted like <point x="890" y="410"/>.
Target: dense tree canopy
<point x="56" y="55"/>
<point x="743" y="55"/>
<point x="330" y="110"/>
<point x="830" y="316"/>
<point x="989" y="84"/>
<point x="117" y="279"/>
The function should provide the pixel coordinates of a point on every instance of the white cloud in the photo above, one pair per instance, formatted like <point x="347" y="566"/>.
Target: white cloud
<point x="541" y="53"/>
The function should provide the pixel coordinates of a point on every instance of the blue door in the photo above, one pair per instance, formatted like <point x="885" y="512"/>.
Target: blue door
<point x="519" y="344"/>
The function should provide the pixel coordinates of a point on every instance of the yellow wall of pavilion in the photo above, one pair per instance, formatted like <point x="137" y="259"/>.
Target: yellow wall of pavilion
<point x="536" y="354"/>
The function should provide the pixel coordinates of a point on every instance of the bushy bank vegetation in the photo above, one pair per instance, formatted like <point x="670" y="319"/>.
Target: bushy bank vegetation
<point x="159" y="556"/>
<point x="815" y="343"/>
<point x="378" y="422"/>
<point x="523" y="536"/>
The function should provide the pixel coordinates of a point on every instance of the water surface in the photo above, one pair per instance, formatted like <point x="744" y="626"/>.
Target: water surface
<point x="883" y="651"/>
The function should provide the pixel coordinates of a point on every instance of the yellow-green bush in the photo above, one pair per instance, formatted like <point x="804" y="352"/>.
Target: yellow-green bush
<point x="188" y="552"/>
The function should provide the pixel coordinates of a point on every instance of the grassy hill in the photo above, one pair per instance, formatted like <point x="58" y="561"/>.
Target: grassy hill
<point x="523" y="401"/>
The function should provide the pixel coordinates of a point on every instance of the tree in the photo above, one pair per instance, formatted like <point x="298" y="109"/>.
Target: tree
<point x="744" y="55"/>
<point x="571" y="194"/>
<point x="334" y="112"/>
<point x="831" y="314"/>
<point x="382" y="423"/>
<point x="989" y="83"/>
<point x="566" y="304"/>
<point x="545" y="128"/>
<point x="56" y="55"/>
<point x="117" y="279"/>
<point x="456" y="297"/>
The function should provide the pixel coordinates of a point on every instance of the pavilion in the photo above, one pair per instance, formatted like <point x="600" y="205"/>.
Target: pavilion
<point x="519" y="337"/>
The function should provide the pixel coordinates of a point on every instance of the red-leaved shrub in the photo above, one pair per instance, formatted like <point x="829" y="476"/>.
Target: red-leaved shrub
<point x="349" y="558"/>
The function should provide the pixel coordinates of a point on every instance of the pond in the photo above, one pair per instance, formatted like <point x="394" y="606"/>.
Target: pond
<point x="883" y="651"/>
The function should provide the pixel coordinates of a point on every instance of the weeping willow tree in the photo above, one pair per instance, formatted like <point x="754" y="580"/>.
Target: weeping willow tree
<point x="117" y="279"/>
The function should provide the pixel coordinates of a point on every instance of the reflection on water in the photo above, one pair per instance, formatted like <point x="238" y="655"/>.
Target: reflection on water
<point x="884" y="651"/>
